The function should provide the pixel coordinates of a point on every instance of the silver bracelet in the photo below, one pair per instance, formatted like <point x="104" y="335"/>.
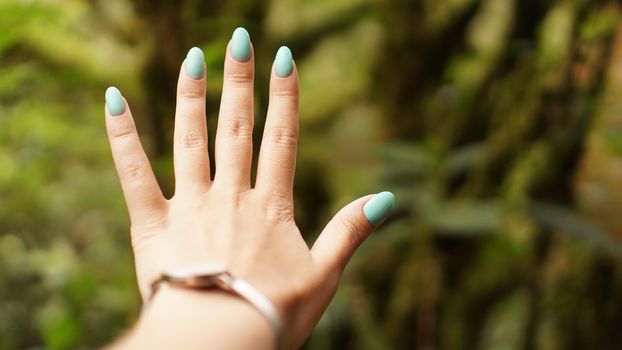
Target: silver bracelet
<point x="209" y="276"/>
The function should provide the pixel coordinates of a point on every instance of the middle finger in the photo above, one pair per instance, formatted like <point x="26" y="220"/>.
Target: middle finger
<point x="234" y="147"/>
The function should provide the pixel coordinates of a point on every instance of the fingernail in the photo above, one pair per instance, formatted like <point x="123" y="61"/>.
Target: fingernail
<point x="377" y="208"/>
<point x="114" y="101"/>
<point x="283" y="63"/>
<point x="241" y="45"/>
<point x="195" y="63"/>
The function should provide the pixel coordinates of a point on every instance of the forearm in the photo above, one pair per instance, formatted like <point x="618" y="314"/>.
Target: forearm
<point x="184" y="319"/>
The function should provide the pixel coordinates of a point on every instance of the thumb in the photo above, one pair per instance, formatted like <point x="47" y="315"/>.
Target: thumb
<point x="349" y="228"/>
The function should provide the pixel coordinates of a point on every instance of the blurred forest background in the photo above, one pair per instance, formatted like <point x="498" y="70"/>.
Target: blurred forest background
<point x="497" y="123"/>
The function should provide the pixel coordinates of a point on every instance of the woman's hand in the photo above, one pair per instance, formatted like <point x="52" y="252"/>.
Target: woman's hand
<point x="251" y="231"/>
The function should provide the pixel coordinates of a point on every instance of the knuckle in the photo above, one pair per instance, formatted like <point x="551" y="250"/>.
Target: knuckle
<point x="287" y="93"/>
<point x="279" y="207"/>
<point x="135" y="169"/>
<point x="192" y="140"/>
<point x="240" y="78"/>
<point x="122" y="131"/>
<point x="283" y="136"/>
<point x="354" y="231"/>
<point x="191" y="91"/>
<point x="239" y="127"/>
<point x="279" y="213"/>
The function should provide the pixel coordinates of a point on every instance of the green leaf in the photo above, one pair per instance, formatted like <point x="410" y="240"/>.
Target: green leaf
<point x="562" y="220"/>
<point x="469" y="217"/>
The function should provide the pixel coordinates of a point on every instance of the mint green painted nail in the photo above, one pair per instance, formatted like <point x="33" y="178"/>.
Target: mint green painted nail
<point x="241" y="45"/>
<point x="114" y="101"/>
<point x="377" y="208"/>
<point x="283" y="63"/>
<point x="195" y="63"/>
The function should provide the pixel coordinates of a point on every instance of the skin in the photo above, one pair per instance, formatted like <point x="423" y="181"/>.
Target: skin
<point x="249" y="230"/>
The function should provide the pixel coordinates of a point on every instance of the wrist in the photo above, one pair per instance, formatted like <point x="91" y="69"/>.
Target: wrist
<point x="189" y="319"/>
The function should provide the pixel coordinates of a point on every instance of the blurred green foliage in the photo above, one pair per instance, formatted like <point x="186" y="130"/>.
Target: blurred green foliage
<point x="497" y="123"/>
